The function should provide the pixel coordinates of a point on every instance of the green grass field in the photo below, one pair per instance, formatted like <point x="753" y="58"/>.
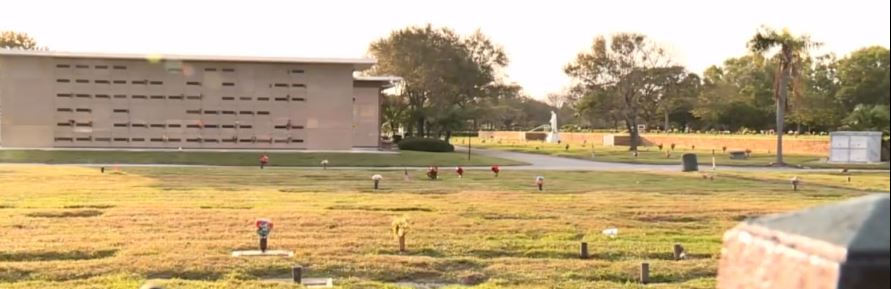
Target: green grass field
<point x="73" y="227"/>
<point x="404" y="158"/>
<point x="652" y="155"/>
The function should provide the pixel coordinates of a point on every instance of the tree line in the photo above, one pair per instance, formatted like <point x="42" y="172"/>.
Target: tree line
<point x="453" y="83"/>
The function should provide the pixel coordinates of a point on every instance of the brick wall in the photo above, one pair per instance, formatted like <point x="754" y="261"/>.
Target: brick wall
<point x="566" y="137"/>
<point x="755" y="257"/>
<point x="790" y="144"/>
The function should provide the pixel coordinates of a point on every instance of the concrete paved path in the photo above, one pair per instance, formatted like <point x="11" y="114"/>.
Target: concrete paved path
<point x="535" y="162"/>
<point x="546" y="162"/>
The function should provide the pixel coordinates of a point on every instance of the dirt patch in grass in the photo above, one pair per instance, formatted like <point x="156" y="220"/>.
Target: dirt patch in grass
<point x="14" y="274"/>
<point x="669" y="256"/>
<point x="506" y="216"/>
<point x="322" y="177"/>
<point x="411" y="252"/>
<point x="669" y="218"/>
<point x="376" y="209"/>
<point x="171" y="188"/>
<point x="65" y="214"/>
<point x="261" y="271"/>
<point x="189" y="274"/>
<point x="822" y="195"/>
<point x="549" y="254"/>
<point x="457" y="264"/>
<point x="227" y="207"/>
<point x="421" y="285"/>
<point x="531" y="253"/>
<point x="409" y="274"/>
<point x="472" y="278"/>
<point x="27" y="256"/>
<point x="88" y="207"/>
<point x="231" y="189"/>
<point x="676" y="277"/>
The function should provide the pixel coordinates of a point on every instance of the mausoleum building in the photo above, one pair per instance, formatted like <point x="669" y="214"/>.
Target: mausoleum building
<point x="97" y="100"/>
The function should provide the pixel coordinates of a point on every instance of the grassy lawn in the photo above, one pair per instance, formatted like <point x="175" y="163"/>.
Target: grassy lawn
<point x="72" y="227"/>
<point x="652" y="155"/>
<point x="404" y="158"/>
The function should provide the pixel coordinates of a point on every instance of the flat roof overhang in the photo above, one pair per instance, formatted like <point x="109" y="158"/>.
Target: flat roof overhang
<point x="379" y="81"/>
<point x="358" y="63"/>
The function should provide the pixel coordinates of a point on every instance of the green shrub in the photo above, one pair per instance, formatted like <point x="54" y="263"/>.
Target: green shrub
<point x="425" y="145"/>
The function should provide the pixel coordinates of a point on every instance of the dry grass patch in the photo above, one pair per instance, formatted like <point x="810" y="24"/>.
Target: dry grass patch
<point x="496" y="233"/>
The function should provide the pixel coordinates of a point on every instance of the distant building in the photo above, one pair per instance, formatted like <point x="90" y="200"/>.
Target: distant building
<point x="91" y="100"/>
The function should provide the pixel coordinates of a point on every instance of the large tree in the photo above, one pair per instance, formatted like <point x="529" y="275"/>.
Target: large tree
<point x="869" y="117"/>
<point x="444" y="75"/>
<point x="817" y="107"/>
<point x="17" y="40"/>
<point x="792" y="50"/>
<point x="863" y="78"/>
<point x="623" y="71"/>
<point x="394" y="112"/>
<point x="673" y="88"/>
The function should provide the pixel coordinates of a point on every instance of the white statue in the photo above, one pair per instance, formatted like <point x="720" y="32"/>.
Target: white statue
<point x="553" y="136"/>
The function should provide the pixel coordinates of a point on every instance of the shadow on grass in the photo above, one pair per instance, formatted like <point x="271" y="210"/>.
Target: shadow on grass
<point x="89" y="207"/>
<point x="533" y="254"/>
<point x="55" y="256"/>
<point x="668" y="256"/>
<point x="187" y="274"/>
<point x="677" y="277"/>
<point x="630" y="275"/>
<point x="226" y="207"/>
<point x="670" y="219"/>
<point x="506" y="216"/>
<point x="744" y="217"/>
<point x="375" y="209"/>
<point x="411" y="252"/>
<point x="65" y="214"/>
<point x="14" y="274"/>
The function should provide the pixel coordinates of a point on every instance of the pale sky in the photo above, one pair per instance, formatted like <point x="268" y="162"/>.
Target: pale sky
<point x="540" y="37"/>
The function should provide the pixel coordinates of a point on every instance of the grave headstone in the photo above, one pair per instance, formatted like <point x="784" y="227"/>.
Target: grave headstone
<point x="297" y="273"/>
<point x="838" y="246"/>
<point x="583" y="250"/>
<point x="690" y="162"/>
<point x="738" y="155"/>
<point x="644" y="273"/>
<point x="679" y="252"/>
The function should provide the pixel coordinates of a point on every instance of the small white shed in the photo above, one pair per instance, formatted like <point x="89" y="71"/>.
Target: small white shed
<point x="855" y="147"/>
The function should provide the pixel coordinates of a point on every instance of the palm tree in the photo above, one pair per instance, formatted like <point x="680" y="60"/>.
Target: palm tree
<point x="793" y="49"/>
